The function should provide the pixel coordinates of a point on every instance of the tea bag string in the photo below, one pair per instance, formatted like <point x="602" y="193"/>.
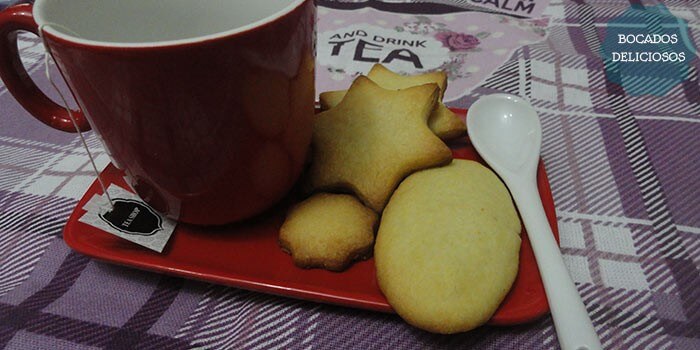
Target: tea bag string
<point x="70" y="115"/>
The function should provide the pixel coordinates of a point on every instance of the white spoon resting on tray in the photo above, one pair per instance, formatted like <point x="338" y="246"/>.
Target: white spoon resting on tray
<point x="506" y="132"/>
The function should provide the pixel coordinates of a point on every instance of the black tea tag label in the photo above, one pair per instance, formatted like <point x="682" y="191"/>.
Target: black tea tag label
<point x="133" y="217"/>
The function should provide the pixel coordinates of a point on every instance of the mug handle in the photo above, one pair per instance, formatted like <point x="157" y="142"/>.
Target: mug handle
<point x="18" y="81"/>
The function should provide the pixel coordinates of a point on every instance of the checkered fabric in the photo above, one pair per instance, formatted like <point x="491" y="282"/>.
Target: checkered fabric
<point x="623" y="171"/>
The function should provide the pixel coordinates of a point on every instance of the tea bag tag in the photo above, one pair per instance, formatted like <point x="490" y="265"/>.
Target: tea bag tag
<point x="129" y="217"/>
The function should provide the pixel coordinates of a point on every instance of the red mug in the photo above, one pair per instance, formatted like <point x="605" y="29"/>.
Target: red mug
<point x="207" y="106"/>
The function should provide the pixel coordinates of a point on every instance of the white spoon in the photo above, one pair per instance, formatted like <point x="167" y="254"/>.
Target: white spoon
<point x="506" y="132"/>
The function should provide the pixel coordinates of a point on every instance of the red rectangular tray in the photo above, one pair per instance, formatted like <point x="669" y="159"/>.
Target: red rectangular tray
<point x="247" y="255"/>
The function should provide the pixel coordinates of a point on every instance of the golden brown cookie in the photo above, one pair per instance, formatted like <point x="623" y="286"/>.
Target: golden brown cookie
<point x="330" y="99"/>
<point x="394" y="81"/>
<point x="448" y="246"/>
<point x="443" y="122"/>
<point x="329" y="231"/>
<point x="373" y="139"/>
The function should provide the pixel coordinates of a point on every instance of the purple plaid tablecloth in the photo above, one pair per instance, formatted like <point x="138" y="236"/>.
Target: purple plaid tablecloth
<point x="624" y="170"/>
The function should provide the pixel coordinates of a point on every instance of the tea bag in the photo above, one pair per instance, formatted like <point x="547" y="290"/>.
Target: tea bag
<point x="118" y="211"/>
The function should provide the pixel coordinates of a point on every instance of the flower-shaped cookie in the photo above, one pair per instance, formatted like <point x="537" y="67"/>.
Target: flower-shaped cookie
<point x="328" y="231"/>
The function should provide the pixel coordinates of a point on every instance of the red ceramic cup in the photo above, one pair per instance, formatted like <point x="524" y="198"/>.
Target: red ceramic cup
<point x="206" y="105"/>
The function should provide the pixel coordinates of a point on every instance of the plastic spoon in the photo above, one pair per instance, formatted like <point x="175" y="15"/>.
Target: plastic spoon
<point x="506" y="132"/>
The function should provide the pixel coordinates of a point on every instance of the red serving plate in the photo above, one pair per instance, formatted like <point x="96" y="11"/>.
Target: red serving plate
<point x="246" y="255"/>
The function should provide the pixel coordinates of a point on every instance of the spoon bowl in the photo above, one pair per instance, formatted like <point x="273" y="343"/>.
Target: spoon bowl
<point x="509" y="132"/>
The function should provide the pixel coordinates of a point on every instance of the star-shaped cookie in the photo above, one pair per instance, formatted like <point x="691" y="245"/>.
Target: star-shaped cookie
<point x="373" y="139"/>
<point x="443" y="122"/>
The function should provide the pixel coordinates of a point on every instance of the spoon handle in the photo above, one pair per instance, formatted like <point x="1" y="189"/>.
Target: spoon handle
<point x="574" y="328"/>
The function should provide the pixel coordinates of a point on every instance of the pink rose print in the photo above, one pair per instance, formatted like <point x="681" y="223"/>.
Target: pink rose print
<point x="457" y="41"/>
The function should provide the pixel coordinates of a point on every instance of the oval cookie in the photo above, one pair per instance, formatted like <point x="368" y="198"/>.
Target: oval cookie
<point x="447" y="248"/>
